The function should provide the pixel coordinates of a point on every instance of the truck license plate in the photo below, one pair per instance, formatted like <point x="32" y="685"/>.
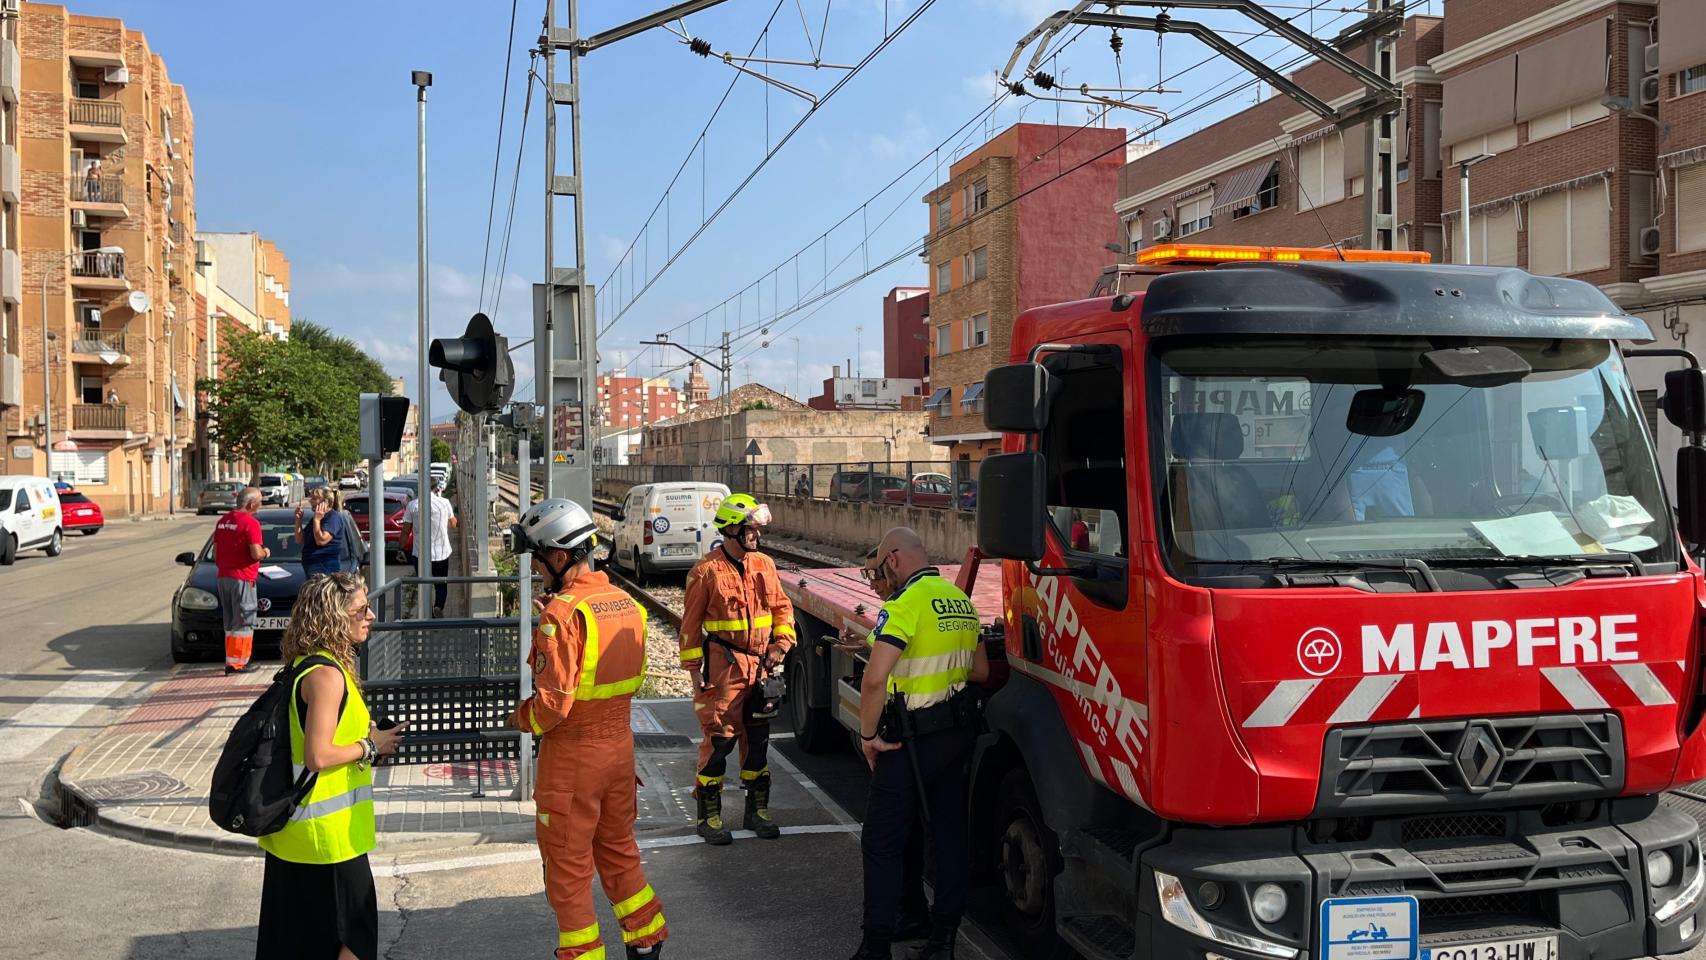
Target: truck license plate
<point x="1521" y="948"/>
<point x="680" y="549"/>
<point x="271" y="623"/>
<point x="1368" y="928"/>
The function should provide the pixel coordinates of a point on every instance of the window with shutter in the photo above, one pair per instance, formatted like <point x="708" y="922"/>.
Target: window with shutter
<point x="1568" y="231"/>
<point x="1548" y="234"/>
<point x="1195" y="214"/>
<point x="1691" y="209"/>
<point x="944" y="274"/>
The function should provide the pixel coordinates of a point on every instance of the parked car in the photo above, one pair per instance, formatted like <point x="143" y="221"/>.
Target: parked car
<point x="438" y="470"/>
<point x="666" y="526"/>
<point x="29" y="518"/>
<point x="219" y="496"/>
<point x="198" y="631"/>
<point x="404" y="485"/>
<point x="351" y="481"/>
<point x="82" y="515"/>
<point x="862" y="485"/>
<point x="279" y="489"/>
<point x="397" y="544"/>
<point x="927" y="490"/>
<point x="309" y="483"/>
<point x="968" y="494"/>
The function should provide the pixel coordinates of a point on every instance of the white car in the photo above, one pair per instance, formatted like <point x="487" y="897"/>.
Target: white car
<point x="349" y="481"/>
<point x="667" y="526"/>
<point x="30" y="517"/>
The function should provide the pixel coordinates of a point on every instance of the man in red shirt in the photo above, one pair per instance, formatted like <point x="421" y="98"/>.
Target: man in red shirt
<point x="238" y="553"/>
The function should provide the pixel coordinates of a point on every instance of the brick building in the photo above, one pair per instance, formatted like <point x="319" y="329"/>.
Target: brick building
<point x="11" y="264"/>
<point x="990" y="259"/>
<point x="625" y="401"/>
<point x="1276" y="174"/>
<point x="107" y="220"/>
<point x="696" y="388"/>
<point x="255" y="271"/>
<point x="906" y="332"/>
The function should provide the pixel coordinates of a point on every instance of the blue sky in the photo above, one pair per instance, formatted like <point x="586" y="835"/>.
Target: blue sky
<point x="305" y="128"/>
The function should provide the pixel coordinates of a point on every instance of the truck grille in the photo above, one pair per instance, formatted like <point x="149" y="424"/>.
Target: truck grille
<point x="1426" y="765"/>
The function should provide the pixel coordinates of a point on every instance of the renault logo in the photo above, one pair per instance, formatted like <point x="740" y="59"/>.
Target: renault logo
<point x="1479" y="756"/>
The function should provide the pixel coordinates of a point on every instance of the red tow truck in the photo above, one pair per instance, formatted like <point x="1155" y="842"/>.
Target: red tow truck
<point x="1345" y="617"/>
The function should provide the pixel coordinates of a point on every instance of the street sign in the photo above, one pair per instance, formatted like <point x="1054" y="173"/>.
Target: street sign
<point x="751" y="449"/>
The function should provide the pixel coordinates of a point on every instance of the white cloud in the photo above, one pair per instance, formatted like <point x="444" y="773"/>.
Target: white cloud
<point x="1029" y="10"/>
<point x="981" y="87"/>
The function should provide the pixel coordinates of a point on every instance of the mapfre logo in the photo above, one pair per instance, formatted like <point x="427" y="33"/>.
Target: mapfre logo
<point x="1319" y="651"/>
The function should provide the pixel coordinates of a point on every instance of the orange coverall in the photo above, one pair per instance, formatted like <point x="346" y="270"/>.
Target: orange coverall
<point x="588" y="658"/>
<point x="734" y="615"/>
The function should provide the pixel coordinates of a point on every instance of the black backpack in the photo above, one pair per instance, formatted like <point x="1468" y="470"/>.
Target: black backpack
<point x="254" y="789"/>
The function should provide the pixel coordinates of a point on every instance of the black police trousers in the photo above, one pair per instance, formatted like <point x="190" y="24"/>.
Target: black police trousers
<point x="892" y="814"/>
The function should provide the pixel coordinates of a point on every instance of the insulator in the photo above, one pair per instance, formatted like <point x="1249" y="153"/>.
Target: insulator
<point x="1162" y="20"/>
<point x="1043" y="81"/>
<point x="1116" y="42"/>
<point x="1016" y="88"/>
<point x="699" y="46"/>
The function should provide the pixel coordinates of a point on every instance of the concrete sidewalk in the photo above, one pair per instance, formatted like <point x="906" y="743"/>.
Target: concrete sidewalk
<point x="146" y="778"/>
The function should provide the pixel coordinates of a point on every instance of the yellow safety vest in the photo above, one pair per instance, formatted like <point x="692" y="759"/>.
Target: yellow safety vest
<point x="334" y="822"/>
<point x="941" y="629"/>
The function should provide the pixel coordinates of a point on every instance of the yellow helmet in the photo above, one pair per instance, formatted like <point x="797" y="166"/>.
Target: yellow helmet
<point x="739" y="508"/>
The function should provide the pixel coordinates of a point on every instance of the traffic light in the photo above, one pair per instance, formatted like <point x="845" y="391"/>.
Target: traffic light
<point x="382" y="422"/>
<point x="476" y="366"/>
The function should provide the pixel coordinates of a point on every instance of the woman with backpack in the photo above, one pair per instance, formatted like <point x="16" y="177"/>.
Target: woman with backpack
<point x="317" y="896"/>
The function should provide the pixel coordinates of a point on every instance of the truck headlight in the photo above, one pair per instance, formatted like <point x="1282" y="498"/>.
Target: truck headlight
<point x="1177" y="910"/>
<point x="1268" y="902"/>
<point x="195" y="598"/>
<point x="1691" y="889"/>
<point x="1661" y="868"/>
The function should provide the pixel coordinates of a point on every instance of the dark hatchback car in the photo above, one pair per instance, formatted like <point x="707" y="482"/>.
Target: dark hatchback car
<point x="198" y="632"/>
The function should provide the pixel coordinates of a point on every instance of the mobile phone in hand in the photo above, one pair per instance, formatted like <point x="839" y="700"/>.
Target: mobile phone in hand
<point x="386" y="723"/>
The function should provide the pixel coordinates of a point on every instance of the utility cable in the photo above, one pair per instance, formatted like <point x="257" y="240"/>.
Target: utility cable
<point x="497" y="155"/>
<point x="514" y="191"/>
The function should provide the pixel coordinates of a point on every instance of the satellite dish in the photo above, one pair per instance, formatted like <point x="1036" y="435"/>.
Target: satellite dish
<point x="139" y="302"/>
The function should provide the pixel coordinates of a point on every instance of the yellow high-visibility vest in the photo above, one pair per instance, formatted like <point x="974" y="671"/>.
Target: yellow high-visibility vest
<point x="334" y="822"/>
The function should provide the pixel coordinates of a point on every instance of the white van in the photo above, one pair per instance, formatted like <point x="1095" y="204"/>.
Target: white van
<point x="667" y="526"/>
<point x="279" y="489"/>
<point x="30" y="517"/>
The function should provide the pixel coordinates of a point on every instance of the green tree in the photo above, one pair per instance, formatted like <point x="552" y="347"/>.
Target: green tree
<point x="365" y="373"/>
<point x="440" y="451"/>
<point x="284" y="403"/>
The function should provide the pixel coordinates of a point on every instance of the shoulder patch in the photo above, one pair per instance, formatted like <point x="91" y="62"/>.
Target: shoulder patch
<point x="882" y="621"/>
<point x="548" y="629"/>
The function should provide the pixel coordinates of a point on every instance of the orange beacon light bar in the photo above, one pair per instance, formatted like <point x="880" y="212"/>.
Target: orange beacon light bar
<point x="1178" y="254"/>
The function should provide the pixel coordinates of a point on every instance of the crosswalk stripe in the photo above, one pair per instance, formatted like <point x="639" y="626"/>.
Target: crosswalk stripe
<point x="33" y="726"/>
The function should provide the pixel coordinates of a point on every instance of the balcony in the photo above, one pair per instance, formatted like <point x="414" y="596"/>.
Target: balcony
<point x="93" y="345"/>
<point x="10" y="83"/>
<point x="100" y="120"/>
<point x="99" y="271"/>
<point x="98" y="416"/>
<point x="99" y="196"/>
<point x="9" y="172"/>
<point x="11" y="276"/>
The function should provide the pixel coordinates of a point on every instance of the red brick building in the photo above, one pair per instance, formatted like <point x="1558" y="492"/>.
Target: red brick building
<point x="906" y="317"/>
<point x="1008" y="232"/>
<point x="625" y="401"/>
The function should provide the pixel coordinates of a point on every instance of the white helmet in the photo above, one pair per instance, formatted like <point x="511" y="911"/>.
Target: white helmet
<point x="557" y="523"/>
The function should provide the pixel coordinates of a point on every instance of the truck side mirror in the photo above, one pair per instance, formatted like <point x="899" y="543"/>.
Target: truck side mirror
<point x="1010" y="517"/>
<point x="1015" y="398"/>
<point x="1685" y="399"/>
<point x="1690" y="494"/>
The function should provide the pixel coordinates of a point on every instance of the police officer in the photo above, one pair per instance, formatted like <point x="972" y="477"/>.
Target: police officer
<point x="917" y="721"/>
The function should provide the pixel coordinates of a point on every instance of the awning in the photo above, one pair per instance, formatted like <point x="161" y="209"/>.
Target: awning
<point x="937" y="399"/>
<point x="974" y="393"/>
<point x="1243" y="185"/>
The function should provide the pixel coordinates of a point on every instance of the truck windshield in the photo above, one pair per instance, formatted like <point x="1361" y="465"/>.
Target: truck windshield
<point x="1282" y="449"/>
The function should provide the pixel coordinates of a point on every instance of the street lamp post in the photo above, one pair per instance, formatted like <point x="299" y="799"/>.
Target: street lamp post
<point x="1463" y="206"/>
<point x="47" y="365"/>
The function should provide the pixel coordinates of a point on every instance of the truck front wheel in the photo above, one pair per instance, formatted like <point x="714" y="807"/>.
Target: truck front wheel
<point x="815" y="730"/>
<point x="1026" y="859"/>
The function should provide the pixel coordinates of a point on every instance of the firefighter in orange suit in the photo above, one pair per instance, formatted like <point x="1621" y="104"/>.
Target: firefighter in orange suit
<point x="588" y="658"/>
<point x="737" y="627"/>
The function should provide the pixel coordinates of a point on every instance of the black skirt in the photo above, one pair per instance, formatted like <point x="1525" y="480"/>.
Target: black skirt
<point x="310" y="910"/>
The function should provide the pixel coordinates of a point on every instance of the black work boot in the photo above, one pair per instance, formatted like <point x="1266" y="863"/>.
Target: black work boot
<point x="913" y="927"/>
<point x="940" y="945"/>
<point x="652" y="952"/>
<point x="873" y="947"/>
<point x="757" y="815"/>
<point x="711" y="827"/>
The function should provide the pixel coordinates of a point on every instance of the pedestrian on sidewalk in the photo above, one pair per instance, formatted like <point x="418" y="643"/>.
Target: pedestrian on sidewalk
<point x="917" y="723"/>
<point x="317" y="896"/>
<point x="322" y="535"/>
<point x="588" y="659"/>
<point x="443" y="521"/>
<point x="237" y="554"/>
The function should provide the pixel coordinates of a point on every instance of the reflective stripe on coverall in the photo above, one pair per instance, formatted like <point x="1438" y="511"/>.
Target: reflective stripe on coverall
<point x="588" y="659"/>
<point x="735" y="614"/>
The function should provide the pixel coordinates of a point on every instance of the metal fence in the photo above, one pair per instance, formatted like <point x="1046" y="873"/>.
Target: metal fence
<point x="931" y="484"/>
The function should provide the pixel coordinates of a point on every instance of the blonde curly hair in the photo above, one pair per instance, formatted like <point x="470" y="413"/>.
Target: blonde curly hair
<point x="321" y="620"/>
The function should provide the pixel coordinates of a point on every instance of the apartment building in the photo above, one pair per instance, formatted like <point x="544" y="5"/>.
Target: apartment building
<point x="107" y="157"/>
<point x="257" y="274"/>
<point x="625" y="402"/>
<point x="906" y="333"/>
<point x="1276" y="174"/>
<point x="867" y="393"/>
<point x="11" y="263"/>
<point x="1008" y="231"/>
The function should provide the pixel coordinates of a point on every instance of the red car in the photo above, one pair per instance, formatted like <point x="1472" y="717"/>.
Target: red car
<point x="80" y="513"/>
<point x="928" y="490"/>
<point x="396" y="543"/>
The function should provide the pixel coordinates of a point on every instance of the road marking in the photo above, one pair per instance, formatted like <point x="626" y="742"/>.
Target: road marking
<point x="650" y="843"/>
<point x="46" y="718"/>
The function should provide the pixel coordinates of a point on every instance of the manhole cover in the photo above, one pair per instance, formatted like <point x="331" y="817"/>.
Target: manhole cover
<point x="661" y="741"/>
<point x="150" y="785"/>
